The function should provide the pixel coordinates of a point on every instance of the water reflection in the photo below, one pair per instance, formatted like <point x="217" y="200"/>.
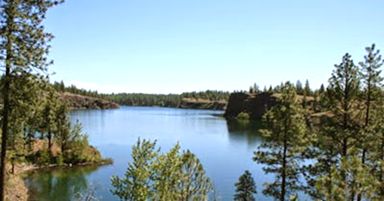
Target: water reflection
<point x="226" y="148"/>
<point x="244" y="131"/>
<point x="58" y="184"/>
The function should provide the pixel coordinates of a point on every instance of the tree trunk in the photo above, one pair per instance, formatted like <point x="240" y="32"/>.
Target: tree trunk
<point x="283" y="175"/>
<point x="10" y="9"/>
<point x="284" y="165"/>
<point x="4" y="130"/>
<point x="368" y="107"/>
<point x="49" y="141"/>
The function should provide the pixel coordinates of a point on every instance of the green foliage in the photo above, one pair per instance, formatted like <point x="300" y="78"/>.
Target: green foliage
<point x="156" y="176"/>
<point x="23" y="53"/>
<point x="78" y="149"/>
<point x="243" y="116"/>
<point x="170" y="100"/>
<point x="286" y="137"/>
<point x="245" y="188"/>
<point x="141" y="99"/>
<point x="136" y="184"/>
<point x="347" y="180"/>
<point x="42" y="158"/>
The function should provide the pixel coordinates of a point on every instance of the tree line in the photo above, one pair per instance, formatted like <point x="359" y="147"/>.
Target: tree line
<point x="142" y="99"/>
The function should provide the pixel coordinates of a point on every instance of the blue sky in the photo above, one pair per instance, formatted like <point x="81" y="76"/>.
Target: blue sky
<point x="172" y="46"/>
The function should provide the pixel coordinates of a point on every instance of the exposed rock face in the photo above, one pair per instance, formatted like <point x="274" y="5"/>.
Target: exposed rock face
<point x="253" y="104"/>
<point x="202" y="104"/>
<point x="75" y="101"/>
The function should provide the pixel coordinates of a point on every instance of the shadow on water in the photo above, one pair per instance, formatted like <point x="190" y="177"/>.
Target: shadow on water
<point x="247" y="131"/>
<point x="60" y="184"/>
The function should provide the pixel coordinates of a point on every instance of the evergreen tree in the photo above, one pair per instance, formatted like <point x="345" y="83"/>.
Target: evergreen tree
<point x="286" y="137"/>
<point x="194" y="185"/>
<point x="322" y="89"/>
<point x="343" y="92"/>
<point x="371" y="93"/>
<point x="307" y="88"/>
<point x="245" y="188"/>
<point x="347" y="179"/>
<point x="299" y="87"/>
<point x="154" y="176"/>
<point x="377" y="147"/>
<point x="337" y="137"/>
<point x="23" y="45"/>
<point x="136" y="185"/>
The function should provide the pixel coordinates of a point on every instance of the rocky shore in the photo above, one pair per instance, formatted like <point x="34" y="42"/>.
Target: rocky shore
<point x="76" y="101"/>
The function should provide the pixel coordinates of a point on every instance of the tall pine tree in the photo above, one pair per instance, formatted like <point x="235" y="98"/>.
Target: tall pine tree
<point x="245" y="188"/>
<point x="23" y="49"/>
<point x="343" y="90"/>
<point x="286" y="137"/>
<point x="372" y="82"/>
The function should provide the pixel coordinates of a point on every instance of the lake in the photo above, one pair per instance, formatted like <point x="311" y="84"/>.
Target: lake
<point x="225" y="149"/>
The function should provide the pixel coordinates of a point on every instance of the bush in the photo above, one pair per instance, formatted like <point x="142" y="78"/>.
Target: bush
<point x="42" y="158"/>
<point x="243" y="116"/>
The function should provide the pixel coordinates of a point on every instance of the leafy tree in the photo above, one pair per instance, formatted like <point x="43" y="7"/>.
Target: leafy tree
<point x="245" y="188"/>
<point x="286" y="137"/>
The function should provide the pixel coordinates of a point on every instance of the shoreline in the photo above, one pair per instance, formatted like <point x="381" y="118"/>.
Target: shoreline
<point x="17" y="189"/>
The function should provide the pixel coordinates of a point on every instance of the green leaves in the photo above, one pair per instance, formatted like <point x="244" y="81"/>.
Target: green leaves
<point x="155" y="176"/>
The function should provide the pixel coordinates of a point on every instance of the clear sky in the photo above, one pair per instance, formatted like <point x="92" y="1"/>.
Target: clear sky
<point x="172" y="46"/>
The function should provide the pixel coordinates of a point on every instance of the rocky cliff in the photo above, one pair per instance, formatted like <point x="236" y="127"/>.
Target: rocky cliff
<point x="255" y="105"/>
<point x="202" y="104"/>
<point x="75" y="101"/>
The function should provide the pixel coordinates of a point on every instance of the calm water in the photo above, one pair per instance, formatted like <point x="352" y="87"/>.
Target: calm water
<point x="225" y="149"/>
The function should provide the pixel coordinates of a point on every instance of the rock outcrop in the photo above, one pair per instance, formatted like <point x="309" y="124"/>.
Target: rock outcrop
<point x="75" y="101"/>
<point x="190" y="103"/>
<point x="253" y="104"/>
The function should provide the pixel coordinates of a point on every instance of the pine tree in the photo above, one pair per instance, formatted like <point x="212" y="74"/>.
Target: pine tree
<point x="307" y="88"/>
<point x="371" y="91"/>
<point x="343" y="91"/>
<point x="245" y="188"/>
<point x="136" y="183"/>
<point x="377" y="155"/>
<point x="347" y="179"/>
<point x="155" y="176"/>
<point x="194" y="185"/>
<point x="338" y="135"/>
<point x="299" y="87"/>
<point x="286" y="137"/>
<point x="23" y="44"/>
